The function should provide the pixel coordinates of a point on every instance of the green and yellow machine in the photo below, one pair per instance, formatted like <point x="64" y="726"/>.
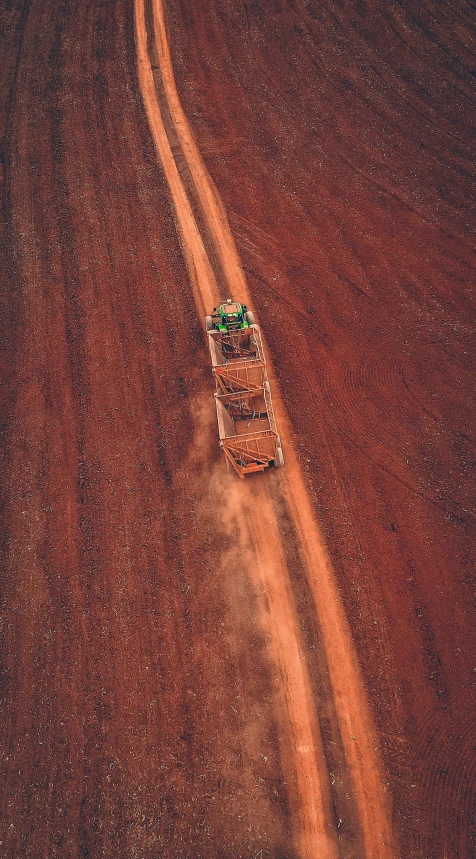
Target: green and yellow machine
<point x="229" y="316"/>
<point x="246" y="422"/>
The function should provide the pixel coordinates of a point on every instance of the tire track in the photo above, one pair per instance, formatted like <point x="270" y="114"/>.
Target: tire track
<point x="257" y="509"/>
<point x="256" y="519"/>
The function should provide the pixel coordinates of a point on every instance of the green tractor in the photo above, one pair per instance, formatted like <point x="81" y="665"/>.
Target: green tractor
<point x="228" y="317"/>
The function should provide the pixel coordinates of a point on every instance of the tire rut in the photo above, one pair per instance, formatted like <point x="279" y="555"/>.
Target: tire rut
<point x="353" y="715"/>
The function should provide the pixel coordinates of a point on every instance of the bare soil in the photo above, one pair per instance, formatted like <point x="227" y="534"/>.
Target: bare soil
<point x="143" y="708"/>
<point x="339" y="139"/>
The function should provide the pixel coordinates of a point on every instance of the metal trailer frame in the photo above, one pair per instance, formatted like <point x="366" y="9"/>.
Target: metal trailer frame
<point x="246" y="423"/>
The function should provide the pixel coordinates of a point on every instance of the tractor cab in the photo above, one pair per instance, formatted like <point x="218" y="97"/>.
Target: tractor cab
<point x="231" y="316"/>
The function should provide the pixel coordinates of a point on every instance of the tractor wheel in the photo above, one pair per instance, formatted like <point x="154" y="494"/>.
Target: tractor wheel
<point x="250" y="318"/>
<point x="209" y="323"/>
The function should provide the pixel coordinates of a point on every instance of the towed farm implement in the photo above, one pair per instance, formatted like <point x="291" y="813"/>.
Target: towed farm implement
<point x="246" y="423"/>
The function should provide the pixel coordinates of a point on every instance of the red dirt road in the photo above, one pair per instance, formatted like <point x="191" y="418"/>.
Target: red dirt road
<point x="144" y="711"/>
<point x="258" y="512"/>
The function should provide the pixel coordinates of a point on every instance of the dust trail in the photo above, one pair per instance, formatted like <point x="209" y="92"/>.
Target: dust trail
<point x="256" y="509"/>
<point x="247" y="513"/>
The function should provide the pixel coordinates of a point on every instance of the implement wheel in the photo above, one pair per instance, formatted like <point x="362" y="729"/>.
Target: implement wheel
<point x="279" y="461"/>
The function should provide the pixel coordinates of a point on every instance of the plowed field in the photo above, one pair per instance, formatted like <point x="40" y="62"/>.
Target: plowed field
<point x="195" y="666"/>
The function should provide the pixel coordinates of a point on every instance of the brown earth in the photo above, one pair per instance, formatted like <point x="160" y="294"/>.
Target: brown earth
<point x="339" y="140"/>
<point x="144" y="711"/>
<point x="324" y="798"/>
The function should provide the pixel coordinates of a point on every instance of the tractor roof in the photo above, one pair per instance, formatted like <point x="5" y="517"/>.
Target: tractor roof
<point x="231" y="307"/>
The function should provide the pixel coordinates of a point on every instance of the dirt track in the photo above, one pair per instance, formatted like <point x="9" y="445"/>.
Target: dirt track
<point x="169" y="687"/>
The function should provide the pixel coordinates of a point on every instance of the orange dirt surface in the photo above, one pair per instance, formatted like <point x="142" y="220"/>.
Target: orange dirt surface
<point x="195" y="666"/>
<point x="314" y="819"/>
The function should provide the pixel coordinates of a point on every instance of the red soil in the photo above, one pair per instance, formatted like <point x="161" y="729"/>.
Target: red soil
<point x="140" y="707"/>
<point x="339" y="140"/>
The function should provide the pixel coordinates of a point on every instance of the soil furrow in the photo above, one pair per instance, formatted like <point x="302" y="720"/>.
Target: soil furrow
<point x="352" y="711"/>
